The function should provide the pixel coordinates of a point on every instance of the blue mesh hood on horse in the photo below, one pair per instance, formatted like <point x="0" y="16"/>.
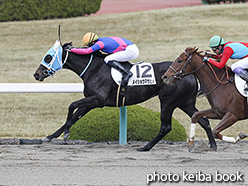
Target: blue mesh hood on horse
<point x="53" y="58"/>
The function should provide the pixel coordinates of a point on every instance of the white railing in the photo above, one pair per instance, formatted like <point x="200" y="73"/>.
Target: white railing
<point x="41" y="87"/>
<point x="62" y="88"/>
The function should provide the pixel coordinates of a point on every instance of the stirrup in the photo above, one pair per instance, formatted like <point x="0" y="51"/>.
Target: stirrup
<point x="200" y="92"/>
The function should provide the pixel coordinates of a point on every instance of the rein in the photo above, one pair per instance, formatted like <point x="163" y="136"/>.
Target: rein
<point x="220" y="80"/>
<point x="91" y="57"/>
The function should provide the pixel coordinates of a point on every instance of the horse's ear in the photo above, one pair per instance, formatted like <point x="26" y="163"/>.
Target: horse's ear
<point x="195" y="49"/>
<point x="67" y="44"/>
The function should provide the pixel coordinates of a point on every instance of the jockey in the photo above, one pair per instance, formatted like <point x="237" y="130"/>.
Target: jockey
<point x="120" y="50"/>
<point x="233" y="50"/>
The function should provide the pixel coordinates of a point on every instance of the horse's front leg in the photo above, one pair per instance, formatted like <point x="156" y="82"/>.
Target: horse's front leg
<point x="210" y="114"/>
<point x="80" y="112"/>
<point x="190" y="109"/>
<point x="65" y="128"/>
<point x="76" y="110"/>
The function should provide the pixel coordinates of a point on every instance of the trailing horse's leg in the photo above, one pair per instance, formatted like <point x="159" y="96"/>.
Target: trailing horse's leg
<point x="228" y="120"/>
<point x="166" y="117"/>
<point x="199" y="117"/>
<point x="190" y="110"/>
<point x="242" y="136"/>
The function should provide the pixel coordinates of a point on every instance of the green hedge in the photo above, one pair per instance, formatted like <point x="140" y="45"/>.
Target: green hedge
<point x="21" y="10"/>
<point x="102" y="124"/>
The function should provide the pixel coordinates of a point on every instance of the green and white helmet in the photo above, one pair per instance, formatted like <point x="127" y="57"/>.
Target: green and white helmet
<point x="216" y="41"/>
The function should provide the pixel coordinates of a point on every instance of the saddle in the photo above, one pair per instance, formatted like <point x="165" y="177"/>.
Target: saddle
<point x="240" y="85"/>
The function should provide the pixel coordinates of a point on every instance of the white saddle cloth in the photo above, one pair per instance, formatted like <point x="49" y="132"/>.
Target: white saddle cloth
<point x="143" y="74"/>
<point x="240" y="85"/>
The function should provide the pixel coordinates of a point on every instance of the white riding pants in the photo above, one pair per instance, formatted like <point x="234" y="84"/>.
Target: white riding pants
<point x="243" y="63"/>
<point x="130" y="53"/>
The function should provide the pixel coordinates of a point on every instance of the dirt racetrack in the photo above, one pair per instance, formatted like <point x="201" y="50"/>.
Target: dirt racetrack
<point x="113" y="164"/>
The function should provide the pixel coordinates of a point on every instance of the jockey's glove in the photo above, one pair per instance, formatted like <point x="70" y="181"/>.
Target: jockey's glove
<point x="205" y="59"/>
<point x="207" y="53"/>
<point x="68" y="48"/>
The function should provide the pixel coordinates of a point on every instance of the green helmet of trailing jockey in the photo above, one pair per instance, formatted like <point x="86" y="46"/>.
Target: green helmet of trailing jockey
<point x="216" y="41"/>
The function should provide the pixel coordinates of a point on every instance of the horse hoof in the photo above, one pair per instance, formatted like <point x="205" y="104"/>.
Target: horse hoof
<point x="191" y="146"/>
<point x="142" y="149"/>
<point x="242" y="135"/>
<point x="214" y="148"/>
<point x="66" y="136"/>
<point x="46" y="140"/>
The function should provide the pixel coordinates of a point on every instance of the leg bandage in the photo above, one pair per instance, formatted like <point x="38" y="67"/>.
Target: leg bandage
<point x="192" y="132"/>
<point x="228" y="139"/>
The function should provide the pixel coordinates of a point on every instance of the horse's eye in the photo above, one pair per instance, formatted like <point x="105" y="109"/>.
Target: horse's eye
<point x="180" y="61"/>
<point x="48" y="58"/>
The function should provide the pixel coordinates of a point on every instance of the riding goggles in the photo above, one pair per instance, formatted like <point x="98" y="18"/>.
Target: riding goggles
<point x="215" y="48"/>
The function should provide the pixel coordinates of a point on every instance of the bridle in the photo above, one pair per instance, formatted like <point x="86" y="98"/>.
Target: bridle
<point x="50" y="70"/>
<point x="180" y="74"/>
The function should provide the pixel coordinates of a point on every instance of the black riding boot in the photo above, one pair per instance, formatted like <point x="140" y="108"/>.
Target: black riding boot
<point x="125" y="72"/>
<point x="244" y="75"/>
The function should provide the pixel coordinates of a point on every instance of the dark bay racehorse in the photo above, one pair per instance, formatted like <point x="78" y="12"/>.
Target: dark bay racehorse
<point x="100" y="90"/>
<point x="227" y="104"/>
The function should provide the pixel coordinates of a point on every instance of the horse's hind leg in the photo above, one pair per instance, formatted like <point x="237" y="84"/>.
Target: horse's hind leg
<point x="190" y="110"/>
<point x="204" y="122"/>
<point x="166" y="117"/>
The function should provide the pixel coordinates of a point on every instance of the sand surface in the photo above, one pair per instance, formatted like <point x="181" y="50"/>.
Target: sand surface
<point x="113" y="164"/>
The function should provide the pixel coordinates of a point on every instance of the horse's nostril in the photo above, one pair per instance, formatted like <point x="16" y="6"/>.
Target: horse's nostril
<point x="164" y="77"/>
<point x="36" y="76"/>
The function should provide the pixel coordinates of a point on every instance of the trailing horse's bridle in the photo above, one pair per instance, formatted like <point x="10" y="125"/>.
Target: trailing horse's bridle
<point x="181" y="74"/>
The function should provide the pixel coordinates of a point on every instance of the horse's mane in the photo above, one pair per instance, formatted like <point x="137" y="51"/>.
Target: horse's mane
<point x="100" y="54"/>
<point x="199" y="53"/>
